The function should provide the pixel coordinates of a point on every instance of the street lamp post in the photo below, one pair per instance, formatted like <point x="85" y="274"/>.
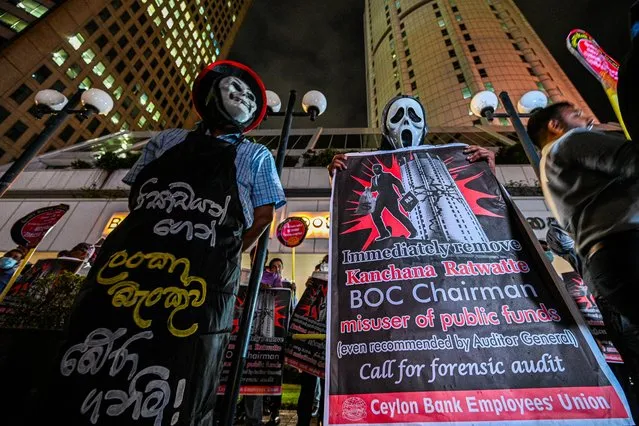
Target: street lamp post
<point x="55" y="103"/>
<point x="313" y="105"/>
<point x="485" y="103"/>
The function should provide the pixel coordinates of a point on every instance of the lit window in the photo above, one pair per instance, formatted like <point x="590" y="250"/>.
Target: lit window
<point x="33" y="7"/>
<point x="73" y="71"/>
<point x="174" y="52"/>
<point x="117" y="93"/>
<point x="202" y="11"/>
<point x="183" y="71"/>
<point x="169" y="42"/>
<point x="165" y="12"/>
<point x="191" y="26"/>
<point x="108" y="82"/>
<point x="88" y="55"/>
<point x="99" y="68"/>
<point x="169" y="22"/>
<point x="489" y="86"/>
<point x="187" y="15"/>
<point x="188" y="79"/>
<point x="234" y="18"/>
<point x="458" y="18"/>
<point x="151" y="10"/>
<point x="142" y="121"/>
<point x="156" y="116"/>
<point x="180" y="43"/>
<point x="157" y="21"/>
<point x="76" y="41"/>
<point x="467" y="93"/>
<point x="229" y="4"/>
<point x="175" y="33"/>
<point x="86" y="84"/>
<point x="178" y="61"/>
<point x="125" y="126"/>
<point x="144" y="98"/>
<point x="12" y="21"/>
<point x="115" y="118"/>
<point x="171" y="3"/>
<point x="182" y="6"/>
<point x="60" y="56"/>
<point x="199" y="43"/>
<point x="190" y="43"/>
<point x="441" y="23"/>
<point x="182" y="24"/>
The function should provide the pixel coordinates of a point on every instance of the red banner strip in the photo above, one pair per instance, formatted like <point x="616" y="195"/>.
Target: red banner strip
<point x="480" y="405"/>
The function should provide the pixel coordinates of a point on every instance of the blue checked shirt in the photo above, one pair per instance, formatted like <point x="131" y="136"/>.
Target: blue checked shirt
<point x="258" y="183"/>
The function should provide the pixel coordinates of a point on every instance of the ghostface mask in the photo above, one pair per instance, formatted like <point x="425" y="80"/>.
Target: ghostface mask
<point x="404" y="123"/>
<point x="229" y="96"/>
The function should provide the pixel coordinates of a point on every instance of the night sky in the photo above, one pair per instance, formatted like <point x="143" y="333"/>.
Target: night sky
<point x="306" y="45"/>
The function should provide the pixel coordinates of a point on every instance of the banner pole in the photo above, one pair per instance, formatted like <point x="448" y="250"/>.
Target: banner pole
<point x="232" y="391"/>
<point x="16" y="274"/>
<point x="293" y="263"/>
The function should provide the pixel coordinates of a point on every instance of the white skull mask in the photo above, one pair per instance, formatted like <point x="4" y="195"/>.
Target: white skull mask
<point x="237" y="99"/>
<point x="406" y="123"/>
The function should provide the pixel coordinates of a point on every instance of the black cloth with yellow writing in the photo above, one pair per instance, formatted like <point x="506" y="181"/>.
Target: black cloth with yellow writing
<point x="149" y="329"/>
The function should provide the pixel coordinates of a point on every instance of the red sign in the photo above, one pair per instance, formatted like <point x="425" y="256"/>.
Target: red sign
<point x="32" y="228"/>
<point x="593" y="57"/>
<point x="292" y="231"/>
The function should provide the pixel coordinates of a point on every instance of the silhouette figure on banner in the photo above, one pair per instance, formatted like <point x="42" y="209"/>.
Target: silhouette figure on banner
<point x="387" y="198"/>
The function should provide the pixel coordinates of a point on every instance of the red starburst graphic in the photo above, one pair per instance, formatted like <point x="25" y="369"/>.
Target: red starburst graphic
<point x="396" y="228"/>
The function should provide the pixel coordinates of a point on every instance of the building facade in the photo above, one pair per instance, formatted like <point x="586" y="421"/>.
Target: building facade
<point x="445" y="51"/>
<point x="145" y="53"/>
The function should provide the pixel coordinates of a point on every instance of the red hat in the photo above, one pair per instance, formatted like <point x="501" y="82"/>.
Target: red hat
<point x="206" y="94"/>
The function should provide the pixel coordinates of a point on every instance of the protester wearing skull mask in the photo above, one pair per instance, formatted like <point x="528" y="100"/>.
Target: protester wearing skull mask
<point x="404" y="126"/>
<point x="198" y="198"/>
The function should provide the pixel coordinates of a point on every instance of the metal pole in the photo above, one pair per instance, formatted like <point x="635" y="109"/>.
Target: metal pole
<point x="232" y="390"/>
<point x="524" y="138"/>
<point x="32" y="150"/>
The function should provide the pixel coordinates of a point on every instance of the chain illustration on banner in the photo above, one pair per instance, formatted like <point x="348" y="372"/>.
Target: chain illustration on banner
<point x="94" y="354"/>
<point x="127" y="294"/>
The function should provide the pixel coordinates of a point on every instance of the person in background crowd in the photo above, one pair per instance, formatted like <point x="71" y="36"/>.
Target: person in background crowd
<point x="323" y="265"/>
<point x="81" y="251"/>
<point x="589" y="180"/>
<point x="9" y="264"/>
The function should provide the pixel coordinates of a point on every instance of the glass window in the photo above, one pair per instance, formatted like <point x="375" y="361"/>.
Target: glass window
<point x="144" y="98"/>
<point x="60" y="56"/>
<point x="86" y="84"/>
<point x="101" y="41"/>
<point x="115" y="118"/>
<point x="483" y="73"/>
<point x="489" y="86"/>
<point x="114" y="28"/>
<point x="156" y="116"/>
<point x="142" y="121"/>
<point x="41" y="74"/>
<point x="12" y="21"/>
<point x="504" y="121"/>
<point x="66" y="133"/>
<point x="441" y="23"/>
<point x="16" y="131"/>
<point x="104" y="14"/>
<point x="21" y="93"/>
<point x="76" y="41"/>
<point x="32" y="7"/>
<point x="88" y="55"/>
<point x="73" y="71"/>
<point x="150" y="10"/>
<point x="99" y="68"/>
<point x="108" y="82"/>
<point x="150" y="107"/>
<point x="59" y="86"/>
<point x="117" y="93"/>
<point x="4" y="113"/>
<point x="466" y="93"/>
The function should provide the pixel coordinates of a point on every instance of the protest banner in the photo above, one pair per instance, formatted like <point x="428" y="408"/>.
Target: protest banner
<point x="309" y="317"/>
<point x="443" y="310"/>
<point x="43" y="268"/>
<point x="601" y="65"/>
<point x="29" y="231"/>
<point x="587" y="305"/>
<point x="263" y="370"/>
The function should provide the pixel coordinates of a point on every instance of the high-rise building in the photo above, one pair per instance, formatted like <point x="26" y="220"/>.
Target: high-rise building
<point x="445" y="51"/>
<point x="145" y="53"/>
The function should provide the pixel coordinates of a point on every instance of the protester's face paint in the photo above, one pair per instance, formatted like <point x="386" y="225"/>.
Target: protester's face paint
<point x="406" y="123"/>
<point x="237" y="99"/>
